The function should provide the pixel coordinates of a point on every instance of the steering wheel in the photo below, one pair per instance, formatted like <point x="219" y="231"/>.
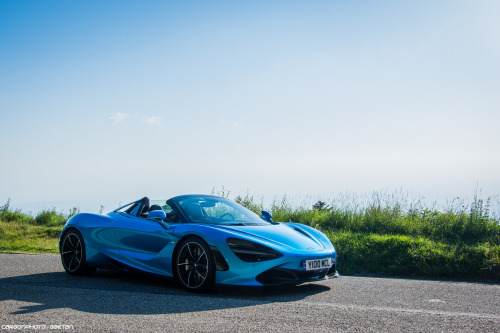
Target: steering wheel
<point x="232" y="217"/>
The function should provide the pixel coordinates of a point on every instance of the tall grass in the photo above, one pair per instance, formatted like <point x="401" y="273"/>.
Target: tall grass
<point x="24" y="232"/>
<point x="26" y="237"/>
<point x="386" y="233"/>
<point x="415" y="256"/>
<point x="469" y="224"/>
<point x="46" y="217"/>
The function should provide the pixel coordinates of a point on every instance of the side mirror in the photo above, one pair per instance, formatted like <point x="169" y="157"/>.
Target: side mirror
<point x="157" y="215"/>
<point x="266" y="216"/>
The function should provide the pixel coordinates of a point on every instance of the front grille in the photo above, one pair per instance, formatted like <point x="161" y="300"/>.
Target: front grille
<point x="275" y="276"/>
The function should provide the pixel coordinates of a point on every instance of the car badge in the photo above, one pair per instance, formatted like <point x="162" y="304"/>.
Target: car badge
<point x="310" y="248"/>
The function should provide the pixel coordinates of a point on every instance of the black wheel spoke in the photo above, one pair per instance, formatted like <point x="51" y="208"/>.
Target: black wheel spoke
<point x="189" y="250"/>
<point x="71" y="262"/>
<point x="189" y="278"/>
<point x="201" y="256"/>
<point x="200" y="275"/>
<point x="70" y="241"/>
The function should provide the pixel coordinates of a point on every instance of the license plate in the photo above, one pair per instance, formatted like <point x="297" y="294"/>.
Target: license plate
<point x="316" y="264"/>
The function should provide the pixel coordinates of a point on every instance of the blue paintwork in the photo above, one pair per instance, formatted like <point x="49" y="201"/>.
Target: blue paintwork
<point x="266" y="216"/>
<point x="149" y="244"/>
<point x="157" y="215"/>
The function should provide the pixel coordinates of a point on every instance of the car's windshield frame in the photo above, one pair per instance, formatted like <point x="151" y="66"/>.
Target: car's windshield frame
<point x="207" y="209"/>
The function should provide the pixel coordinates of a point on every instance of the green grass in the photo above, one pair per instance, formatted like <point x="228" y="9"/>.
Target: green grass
<point x="26" y="237"/>
<point x="22" y="232"/>
<point x="414" y="256"/>
<point x="385" y="235"/>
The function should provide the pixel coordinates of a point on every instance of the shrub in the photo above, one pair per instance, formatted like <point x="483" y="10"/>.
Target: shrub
<point x="53" y="218"/>
<point x="248" y="202"/>
<point x="407" y="256"/>
<point x="8" y="215"/>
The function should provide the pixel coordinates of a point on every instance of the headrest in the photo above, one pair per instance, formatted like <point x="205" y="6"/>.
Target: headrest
<point x="155" y="207"/>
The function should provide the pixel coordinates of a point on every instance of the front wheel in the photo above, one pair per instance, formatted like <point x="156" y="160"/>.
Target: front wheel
<point x="194" y="265"/>
<point x="73" y="253"/>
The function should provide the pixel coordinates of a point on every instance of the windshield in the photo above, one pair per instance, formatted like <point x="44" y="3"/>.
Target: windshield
<point x="218" y="211"/>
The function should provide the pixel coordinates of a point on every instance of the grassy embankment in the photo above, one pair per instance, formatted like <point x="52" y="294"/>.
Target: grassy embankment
<point x="384" y="237"/>
<point x="390" y="236"/>
<point x="22" y="232"/>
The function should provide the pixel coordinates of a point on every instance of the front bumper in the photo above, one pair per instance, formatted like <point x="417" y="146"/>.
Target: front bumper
<point x="289" y="269"/>
<point x="278" y="276"/>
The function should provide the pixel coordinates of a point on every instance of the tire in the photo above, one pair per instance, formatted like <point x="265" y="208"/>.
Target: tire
<point x="73" y="255"/>
<point x="194" y="265"/>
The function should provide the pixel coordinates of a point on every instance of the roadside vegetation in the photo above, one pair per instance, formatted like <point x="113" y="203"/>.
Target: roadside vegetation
<point x="384" y="234"/>
<point x="388" y="234"/>
<point x="23" y="232"/>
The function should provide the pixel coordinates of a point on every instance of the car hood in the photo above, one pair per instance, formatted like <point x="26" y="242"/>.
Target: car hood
<point x="290" y="235"/>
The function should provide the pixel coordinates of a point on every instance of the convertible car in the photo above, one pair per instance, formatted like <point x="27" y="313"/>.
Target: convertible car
<point x="200" y="240"/>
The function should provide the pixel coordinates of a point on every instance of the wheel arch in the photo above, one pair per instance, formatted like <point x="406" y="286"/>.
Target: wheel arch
<point x="220" y="261"/>
<point x="64" y="232"/>
<point x="82" y="268"/>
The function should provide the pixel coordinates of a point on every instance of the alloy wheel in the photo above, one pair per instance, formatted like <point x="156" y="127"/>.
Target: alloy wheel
<point x="193" y="266"/>
<point x="72" y="252"/>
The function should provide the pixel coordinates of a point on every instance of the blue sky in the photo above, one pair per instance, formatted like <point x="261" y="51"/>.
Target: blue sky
<point x="107" y="101"/>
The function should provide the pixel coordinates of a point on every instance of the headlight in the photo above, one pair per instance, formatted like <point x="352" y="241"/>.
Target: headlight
<point x="251" y="252"/>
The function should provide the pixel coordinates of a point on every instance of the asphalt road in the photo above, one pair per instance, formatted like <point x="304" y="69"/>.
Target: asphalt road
<point x="35" y="291"/>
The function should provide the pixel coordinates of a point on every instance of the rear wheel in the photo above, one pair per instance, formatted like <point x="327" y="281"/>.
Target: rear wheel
<point x="73" y="253"/>
<point x="194" y="265"/>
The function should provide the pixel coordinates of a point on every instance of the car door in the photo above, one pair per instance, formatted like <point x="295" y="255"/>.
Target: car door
<point x="144" y="243"/>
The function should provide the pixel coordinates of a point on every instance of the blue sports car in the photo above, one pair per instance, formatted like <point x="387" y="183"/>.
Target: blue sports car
<point x="201" y="240"/>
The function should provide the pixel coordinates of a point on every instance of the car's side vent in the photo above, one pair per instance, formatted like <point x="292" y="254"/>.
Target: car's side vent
<point x="220" y="261"/>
